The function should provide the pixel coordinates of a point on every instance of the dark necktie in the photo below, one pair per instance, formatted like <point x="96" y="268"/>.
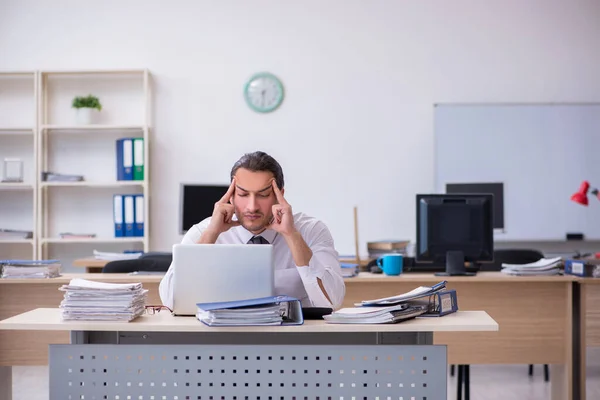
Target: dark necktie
<point x="258" y="240"/>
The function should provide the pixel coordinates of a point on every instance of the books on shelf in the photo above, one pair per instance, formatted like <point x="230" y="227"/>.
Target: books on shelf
<point x="48" y="176"/>
<point x="273" y="310"/>
<point x="86" y="300"/>
<point x="544" y="266"/>
<point x="378" y="248"/>
<point x="28" y="269"/>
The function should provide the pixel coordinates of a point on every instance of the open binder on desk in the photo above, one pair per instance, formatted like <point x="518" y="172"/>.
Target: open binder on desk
<point x="423" y="301"/>
<point x="273" y="310"/>
<point x="421" y="291"/>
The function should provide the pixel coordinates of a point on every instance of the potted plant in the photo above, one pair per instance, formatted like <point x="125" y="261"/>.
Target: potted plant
<point x="86" y="107"/>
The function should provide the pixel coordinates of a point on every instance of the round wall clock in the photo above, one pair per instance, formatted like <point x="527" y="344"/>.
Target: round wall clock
<point x="263" y="92"/>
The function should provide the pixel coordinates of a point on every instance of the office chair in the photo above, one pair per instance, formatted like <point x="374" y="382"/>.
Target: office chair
<point x="147" y="262"/>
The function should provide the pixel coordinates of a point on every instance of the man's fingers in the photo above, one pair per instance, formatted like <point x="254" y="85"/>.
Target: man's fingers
<point x="278" y="194"/>
<point x="229" y="193"/>
<point x="235" y="223"/>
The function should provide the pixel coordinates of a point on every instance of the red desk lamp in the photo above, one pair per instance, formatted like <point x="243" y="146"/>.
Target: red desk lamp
<point x="581" y="195"/>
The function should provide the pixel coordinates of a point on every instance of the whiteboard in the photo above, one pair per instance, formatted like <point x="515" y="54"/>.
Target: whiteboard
<point x="541" y="152"/>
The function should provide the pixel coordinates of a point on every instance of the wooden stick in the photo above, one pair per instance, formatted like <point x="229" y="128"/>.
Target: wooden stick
<point x="356" y="249"/>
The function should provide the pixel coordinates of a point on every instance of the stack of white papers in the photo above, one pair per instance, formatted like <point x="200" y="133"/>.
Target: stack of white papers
<point x="376" y="315"/>
<point x="86" y="300"/>
<point x="107" y="256"/>
<point x="26" y="269"/>
<point x="545" y="266"/>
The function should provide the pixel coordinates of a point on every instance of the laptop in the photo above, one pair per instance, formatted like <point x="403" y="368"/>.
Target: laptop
<point x="205" y="273"/>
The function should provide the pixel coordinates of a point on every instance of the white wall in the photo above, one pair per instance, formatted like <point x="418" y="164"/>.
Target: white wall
<point x="361" y="78"/>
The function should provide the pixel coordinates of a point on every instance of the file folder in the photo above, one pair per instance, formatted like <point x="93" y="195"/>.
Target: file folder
<point x="250" y="312"/>
<point x="118" y="215"/>
<point x="138" y="227"/>
<point x="138" y="159"/>
<point x="125" y="159"/>
<point x="128" y="214"/>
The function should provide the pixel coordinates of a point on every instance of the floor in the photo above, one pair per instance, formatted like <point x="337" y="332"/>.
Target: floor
<point x="488" y="382"/>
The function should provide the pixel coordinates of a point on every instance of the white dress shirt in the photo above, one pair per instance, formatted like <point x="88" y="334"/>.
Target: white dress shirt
<point x="290" y="279"/>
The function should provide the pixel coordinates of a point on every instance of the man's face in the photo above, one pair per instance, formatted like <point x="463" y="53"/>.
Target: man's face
<point x="253" y="199"/>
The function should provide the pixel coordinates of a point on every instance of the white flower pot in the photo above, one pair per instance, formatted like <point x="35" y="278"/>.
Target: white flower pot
<point x="85" y="115"/>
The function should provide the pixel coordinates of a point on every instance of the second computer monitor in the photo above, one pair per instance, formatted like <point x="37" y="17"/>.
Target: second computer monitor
<point x="197" y="202"/>
<point x="453" y="229"/>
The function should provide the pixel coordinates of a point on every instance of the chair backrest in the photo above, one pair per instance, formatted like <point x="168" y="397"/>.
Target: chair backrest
<point x="150" y="263"/>
<point x="512" y="256"/>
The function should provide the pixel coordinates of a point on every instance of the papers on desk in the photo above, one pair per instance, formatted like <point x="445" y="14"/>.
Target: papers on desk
<point x="349" y="270"/>
<point x="107" y="256"/>
<point x="397" y="308"/>
<point x="376" y="315"/>
<point x="27" y="269"/>
<point x="544" y="266"/>
<point x="86" y="300"/>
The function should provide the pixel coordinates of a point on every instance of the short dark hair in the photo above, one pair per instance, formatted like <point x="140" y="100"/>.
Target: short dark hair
<point x="260" y="161"/>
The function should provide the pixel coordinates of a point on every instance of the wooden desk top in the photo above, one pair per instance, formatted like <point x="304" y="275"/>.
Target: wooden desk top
<point x="48" y="319"/>
<point x="363" y="277"/>
<point x="431" y="278"/>
<point x="89" y="262"/>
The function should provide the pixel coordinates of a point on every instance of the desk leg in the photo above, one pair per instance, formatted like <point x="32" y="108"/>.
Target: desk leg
<point x="564" y="383"/>
<point x="579" y="340"/>
<point x="5" y="383"/>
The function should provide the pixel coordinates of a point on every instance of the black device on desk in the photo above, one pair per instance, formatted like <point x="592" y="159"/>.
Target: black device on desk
<point x="454" y="229"/>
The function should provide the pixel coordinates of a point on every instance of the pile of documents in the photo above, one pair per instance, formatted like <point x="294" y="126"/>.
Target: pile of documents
<point x="26" y="269"/>
<point x="349" y="270"/>
<point x="7" y="234"/>
<point x="388" y="309"/>
<point x="86" y="300"/>
<point x="108" y="256"/>
<point x="545" y="266"/>
<point x="275" y="310"/>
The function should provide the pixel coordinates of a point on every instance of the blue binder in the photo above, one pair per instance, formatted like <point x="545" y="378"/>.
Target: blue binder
<point x="118" y="215"/>
<point x="128" y="214"/>
<point x="125" y="159"/>
<point x="210" y="313"/>
<point x="138" y="221"/>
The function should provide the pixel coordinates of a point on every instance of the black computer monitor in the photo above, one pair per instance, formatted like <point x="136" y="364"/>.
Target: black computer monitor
<point x="495" y="188"/>
<point x="198" y="203"/>
<point x="454" y="229"/>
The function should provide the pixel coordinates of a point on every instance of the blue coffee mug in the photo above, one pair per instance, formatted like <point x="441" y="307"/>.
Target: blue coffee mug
<point x="391" y="264"/>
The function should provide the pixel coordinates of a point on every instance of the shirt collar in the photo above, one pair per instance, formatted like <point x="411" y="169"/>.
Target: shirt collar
<point x="246" y="235"/>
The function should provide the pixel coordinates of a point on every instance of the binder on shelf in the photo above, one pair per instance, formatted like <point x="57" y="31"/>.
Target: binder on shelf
<point x="118" y="215"/>
<point x="138" y="227"/>
<point x="125" y="159"/>
<point x="128" y="214"/>
<point x="138" y="159"/>
<point x="272" y="310"/>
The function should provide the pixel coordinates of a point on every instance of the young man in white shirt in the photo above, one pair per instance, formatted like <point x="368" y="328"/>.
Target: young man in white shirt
<point x="306" y="262"/>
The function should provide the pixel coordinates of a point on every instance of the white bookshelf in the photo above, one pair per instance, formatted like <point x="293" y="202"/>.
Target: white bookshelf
<point x="89" y="150"/>
<point x="18" y="124"/>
